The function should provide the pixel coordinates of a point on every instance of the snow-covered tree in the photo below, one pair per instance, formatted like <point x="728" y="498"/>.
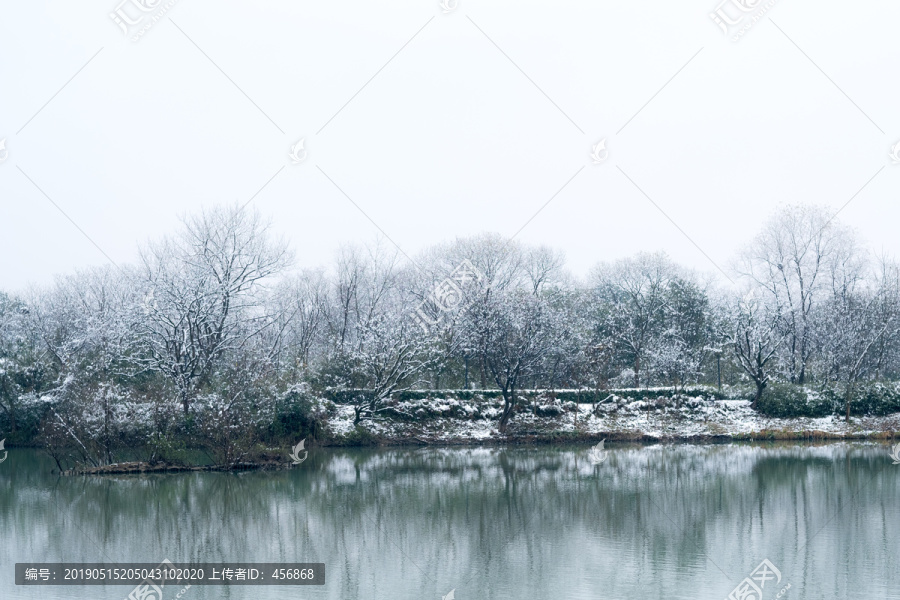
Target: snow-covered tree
<point x="85" y="324"/>
<point x="631" y="296"/>
<point x="26" y="368"/>
<point x="203" y="297"/>
<point x="513" y="332"/>
<point x="756" y="337"/>
<point x="688" y="333"/>
<point x="372" y="341"/>
<point x="298" y="307"/>
<point x="792" y="259"/>
<point x="854" y="324"/>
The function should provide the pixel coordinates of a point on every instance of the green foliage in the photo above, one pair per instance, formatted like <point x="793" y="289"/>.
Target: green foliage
<point x="872" y="399"/>
<point x="359" y="436"/>
<point x="353" y="396"/>
<point x="170" y="449"/>
<point x="784" y="400"/>
<point x="29" y="412"/>
<point x="299" y="414"/>
<point x="580" y="396"/>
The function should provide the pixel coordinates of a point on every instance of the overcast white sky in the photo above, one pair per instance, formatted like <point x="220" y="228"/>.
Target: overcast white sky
<point x="484" y="115"/>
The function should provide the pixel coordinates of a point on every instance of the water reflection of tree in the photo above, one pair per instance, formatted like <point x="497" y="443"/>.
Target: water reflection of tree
<point x="485" y="516"/>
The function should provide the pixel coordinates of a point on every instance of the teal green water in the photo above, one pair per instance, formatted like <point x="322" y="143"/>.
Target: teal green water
<point x="651" y="522"/>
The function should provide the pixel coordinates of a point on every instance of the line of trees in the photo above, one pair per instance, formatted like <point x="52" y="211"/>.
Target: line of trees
<point x="212" y="333"/>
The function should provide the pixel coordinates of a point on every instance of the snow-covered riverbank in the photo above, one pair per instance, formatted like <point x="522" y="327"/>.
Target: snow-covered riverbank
<point x="451" y="421"/>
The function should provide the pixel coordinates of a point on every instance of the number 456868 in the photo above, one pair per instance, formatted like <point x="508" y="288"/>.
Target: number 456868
<point x="293" y="574"/>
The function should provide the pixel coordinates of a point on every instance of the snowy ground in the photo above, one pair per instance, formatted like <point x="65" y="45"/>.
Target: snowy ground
<point x="447" y="420"/>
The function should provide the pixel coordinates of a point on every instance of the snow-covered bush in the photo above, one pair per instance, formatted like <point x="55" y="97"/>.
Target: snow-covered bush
<point x="90" y="423"/>
<point x="227" y="426"/>
<point x="784" y="400"/>
<point x="549" y="410"/>
<point x="299" y="412"/>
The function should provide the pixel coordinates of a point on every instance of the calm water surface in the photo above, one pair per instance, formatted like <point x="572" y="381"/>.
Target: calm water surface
<point x="651" y="522"/>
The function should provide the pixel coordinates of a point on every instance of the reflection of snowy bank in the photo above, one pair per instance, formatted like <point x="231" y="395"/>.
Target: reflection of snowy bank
<point x="628" y="462"/>
<point x="529" y="521"/>
<point x="449" y="420"/>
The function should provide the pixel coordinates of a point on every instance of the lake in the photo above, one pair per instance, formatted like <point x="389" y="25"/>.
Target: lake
<point x="659" y="521"/>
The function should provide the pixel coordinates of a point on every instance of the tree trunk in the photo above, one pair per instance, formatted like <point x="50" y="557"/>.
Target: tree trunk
<point x="759" y="392"/>
<point x="467" y="372"/>
<point x="637" y="372"/>
<point x="719" y="370"/>
<point x="509" y="400"/>
<point x="848" y="397"/>
<point x="577" y="398"/>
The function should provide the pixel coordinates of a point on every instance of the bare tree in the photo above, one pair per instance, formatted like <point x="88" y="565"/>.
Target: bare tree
<point x="756" y="339"/>
<point x="390" y="354"/>
<point x="501" y="264"/>
<point x="854" y="324"/>
<point x="544" y="267"/>
<point x="202" y="293"/>
<point x="373" y="341"/>
<point x="632" y="297"/>
<point x="887" y="349"/>
<point x="514" y="332"/>
<point x="298" y="306"/>
<point x="84" y="323"/>
<point x="792" y="258"/>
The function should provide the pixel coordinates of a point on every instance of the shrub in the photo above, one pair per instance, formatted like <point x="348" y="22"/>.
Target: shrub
<point x="549" y="410"/>
<point x="358" y="436"/>
<point x="299" y="414"/>
<point x="351" y="396"/>
<point x="869" y="399"/>
<point x="784" y="400"/>
<point x="586" y="396"/>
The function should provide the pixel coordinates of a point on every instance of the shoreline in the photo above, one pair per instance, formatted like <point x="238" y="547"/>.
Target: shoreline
<point x="545" y="439"/>
<point x="449" y="422"/>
